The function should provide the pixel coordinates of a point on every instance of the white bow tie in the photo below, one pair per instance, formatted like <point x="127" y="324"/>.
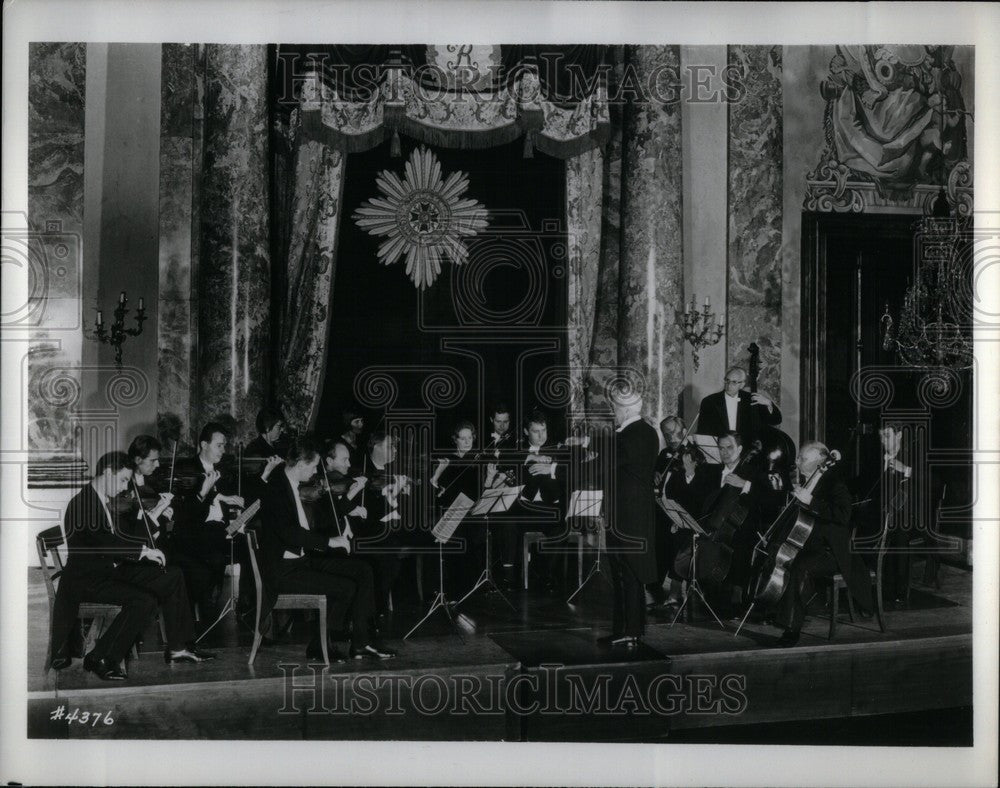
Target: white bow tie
<point x="533" y="449"/>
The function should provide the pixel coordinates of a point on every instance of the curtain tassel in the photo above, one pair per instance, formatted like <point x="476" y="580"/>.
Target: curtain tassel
<point x="394" y="147"/>
<point x="529" y="145"/>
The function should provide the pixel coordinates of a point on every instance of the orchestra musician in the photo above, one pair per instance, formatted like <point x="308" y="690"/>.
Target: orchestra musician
<point x="354" y="427"/>
<point x="542" y="470"/>
<point x="630" y="535"/>
<point x="736" y="410"/>
<point x="672" y="428"/>
<point x="895" y="498"/>
<point x="104" y="565"/>
<point x="711" y="480"/>
<point x="503" y="445"/>
<point x="268" y="443"/>
<point x="684" y="485"/>
<point x="462" y="474"/>
<point x="828" y="547"/>
<point x="379" y="539"/>
<point x="344" y="488"/>
<point x="294" y="560"/>
<point x="200" y="530"/>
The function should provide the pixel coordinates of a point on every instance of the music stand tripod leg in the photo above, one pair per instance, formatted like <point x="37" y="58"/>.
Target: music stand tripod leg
<point x="440" y="600"/>
<point x="486" y="578"/>
<point x="230" y="606"/>
<point x="595" y="570"/>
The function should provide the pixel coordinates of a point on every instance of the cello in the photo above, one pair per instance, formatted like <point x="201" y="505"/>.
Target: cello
<point x="785" y="539"/>
<point x="722" y="523"/>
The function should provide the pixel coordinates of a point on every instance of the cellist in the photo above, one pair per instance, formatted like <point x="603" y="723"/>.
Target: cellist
<point x="827" y="549"/>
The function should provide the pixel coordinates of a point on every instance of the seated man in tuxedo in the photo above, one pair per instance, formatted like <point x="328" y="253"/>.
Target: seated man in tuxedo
<point x="736" y="410"/>
<point x="503" y="445"/>
<point x="712" y="482"/>
<point x="542" y="470"/>
<point x="105" y="565"/>
<point x="294" y="559"/>
<point x="344" y="490"/>
<point x="200" y="530"/>
<point x="264" y="453"/>
<point x="379" y="532"/>
<point x="828" y="547"/>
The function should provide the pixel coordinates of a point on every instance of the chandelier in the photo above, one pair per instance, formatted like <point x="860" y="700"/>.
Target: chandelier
<point x="930" y="334"/>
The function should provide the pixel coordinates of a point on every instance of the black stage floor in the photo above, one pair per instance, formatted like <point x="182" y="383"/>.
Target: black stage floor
<point x="533" y="673"/>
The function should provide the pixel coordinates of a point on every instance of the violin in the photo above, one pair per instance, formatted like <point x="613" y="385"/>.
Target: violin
<point x="785" y="539"/>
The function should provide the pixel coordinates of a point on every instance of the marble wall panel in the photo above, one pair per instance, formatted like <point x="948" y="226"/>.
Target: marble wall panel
<point x="56" y="93"/>
<point x="180" y="143"/>
<point x="755" y="213"/>
<point x="234" y="266"/>
<point x="651" y="273"/>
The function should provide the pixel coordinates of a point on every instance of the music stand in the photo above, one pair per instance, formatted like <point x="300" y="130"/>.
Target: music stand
<point x="498" y="499"/>
<point x="679" y="517"/>
<point x="233" y="528"/>
<point x="443" y="531"/>
<point x="709" y="447"/>
<point x="587" y="503"/>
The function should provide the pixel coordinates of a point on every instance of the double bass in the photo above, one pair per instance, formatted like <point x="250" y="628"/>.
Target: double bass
<point x="777" y="446"/>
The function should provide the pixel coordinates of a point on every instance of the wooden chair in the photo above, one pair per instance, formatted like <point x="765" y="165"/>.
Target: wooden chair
<point x="47" y="544"/>
<point x="875" y="575"/>
<point x="283" y="602"/>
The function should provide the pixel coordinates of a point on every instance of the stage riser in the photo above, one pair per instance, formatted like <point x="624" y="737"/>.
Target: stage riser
<point x="376" y="705"/>
<point x="764" y="686"/>
<point x="687" y="692"/>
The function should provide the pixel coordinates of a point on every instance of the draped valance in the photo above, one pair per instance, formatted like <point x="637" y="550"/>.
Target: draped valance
<point x="459" y="96"/>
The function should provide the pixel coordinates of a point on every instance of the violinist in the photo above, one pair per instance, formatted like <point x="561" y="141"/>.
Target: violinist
<point x="294" y="559"/>
<point x="895" y="495"/>
<point x="104" y="565"/>
<point x="460" y="473"/>
<point x="672" y="429"/>
<point x="827" y="549"/>
<point x="268" y="443"/>
<point x="379" y="540"/>
<point x="142" y="501"/>
<point x="502" y="444"/>
<point x="344" y="489"/>
<point x="201" y="519"/>
<point x="352" y="436"/>
<point x="542" y="470"/>
<point x="736" y="410"/>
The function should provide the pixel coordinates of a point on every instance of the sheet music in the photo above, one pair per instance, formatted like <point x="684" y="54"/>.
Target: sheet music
<point x="679" y="516"/>
<point x="585" y="503"/>
<point x="496" y="499"/>
<point x="445" y="527"/>
<point x="709" y="446"/>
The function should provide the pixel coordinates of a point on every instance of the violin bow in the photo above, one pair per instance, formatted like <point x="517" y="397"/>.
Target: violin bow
<point x="173" y="463"/>
<point x="145" y="519"/>
<point x="329" y="493"/>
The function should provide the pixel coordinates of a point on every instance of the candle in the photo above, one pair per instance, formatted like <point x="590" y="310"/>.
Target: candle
<point x="100" y="318"/>
<point x="121" y="298"/>
<point x="140" y="302"/>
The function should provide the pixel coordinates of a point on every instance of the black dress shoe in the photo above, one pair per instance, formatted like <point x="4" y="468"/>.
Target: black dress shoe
<point x="187" y="655"/>
<point x="60" y="663"/>
<point x="607" y="640"/>
<point x="788" y="638"/>
<point x="103" y="669"/>
<point x="625" y="641"/>
<point x="371" y="651"/>
<point x="315" y="651"/>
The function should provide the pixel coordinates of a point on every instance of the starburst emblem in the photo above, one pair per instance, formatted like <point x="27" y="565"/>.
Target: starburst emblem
<point x="422" y="216"/>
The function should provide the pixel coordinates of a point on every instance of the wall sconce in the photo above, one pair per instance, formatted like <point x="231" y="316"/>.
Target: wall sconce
<point x="700" y="328"/>
<point x="116" y="338"/>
